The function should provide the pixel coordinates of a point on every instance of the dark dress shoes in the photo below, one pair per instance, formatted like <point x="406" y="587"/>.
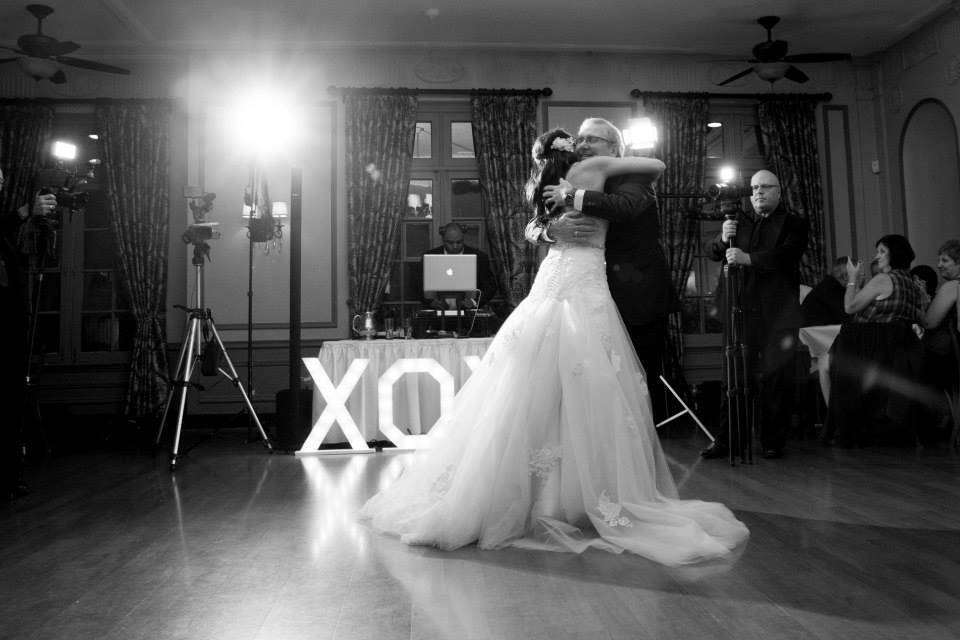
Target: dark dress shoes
<point x="715" y="450"/>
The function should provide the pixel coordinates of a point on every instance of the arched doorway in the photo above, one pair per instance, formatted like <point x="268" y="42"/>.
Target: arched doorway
<point x="930" y="162"/>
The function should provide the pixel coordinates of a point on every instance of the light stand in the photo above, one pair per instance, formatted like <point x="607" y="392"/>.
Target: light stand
<point x="200" y="337"/>
<point x="261" y="227"/>
<point x="31" y="403"/>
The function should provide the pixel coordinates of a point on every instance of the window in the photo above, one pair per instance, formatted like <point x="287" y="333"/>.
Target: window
<point x="444" y="187"/>
<point x="83" y="311"/>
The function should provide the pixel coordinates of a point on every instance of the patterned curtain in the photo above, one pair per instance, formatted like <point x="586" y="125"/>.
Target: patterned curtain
<point x="136" y="166"/>
<point x="24" y="129"/>
<point x="681" y="121"/>
<point x="380" y="135"/>
<point x="788" y="127"/>
<point x="504" y="130"/>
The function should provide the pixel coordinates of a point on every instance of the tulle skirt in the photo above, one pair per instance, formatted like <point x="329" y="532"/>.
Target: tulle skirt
<point x="551" y="442"/>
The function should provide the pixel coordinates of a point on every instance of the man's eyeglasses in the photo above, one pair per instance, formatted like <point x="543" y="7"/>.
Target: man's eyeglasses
<point x="591" y="140"/>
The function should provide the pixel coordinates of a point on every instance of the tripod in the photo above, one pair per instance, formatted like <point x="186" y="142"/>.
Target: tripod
<point x="201" y="336"/>
<point x="741" y="405"/>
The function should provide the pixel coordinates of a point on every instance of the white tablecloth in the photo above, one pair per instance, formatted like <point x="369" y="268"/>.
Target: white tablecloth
<point x="818" y="340"/>
<point x="416" y="396"/>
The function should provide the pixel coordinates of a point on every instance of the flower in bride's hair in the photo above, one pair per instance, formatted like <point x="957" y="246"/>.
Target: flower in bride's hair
<point x="563" y="144"/>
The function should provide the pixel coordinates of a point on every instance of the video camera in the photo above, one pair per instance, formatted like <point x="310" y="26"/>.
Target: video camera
<point x="67" y="198"/>
<point x="197" y="234"/>
<point x="724" y="191"/>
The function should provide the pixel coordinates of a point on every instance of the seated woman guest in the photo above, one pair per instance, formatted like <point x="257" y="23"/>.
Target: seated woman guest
<point x="940" y="324"/>
<point x="926" y="279"/>
<point x="875" y="360"/>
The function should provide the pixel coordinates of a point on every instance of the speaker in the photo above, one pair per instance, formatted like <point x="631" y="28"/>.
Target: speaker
<point x="292" y="431"/>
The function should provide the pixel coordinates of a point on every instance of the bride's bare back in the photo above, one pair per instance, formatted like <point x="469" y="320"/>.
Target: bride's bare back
<point x="591" y="173"/>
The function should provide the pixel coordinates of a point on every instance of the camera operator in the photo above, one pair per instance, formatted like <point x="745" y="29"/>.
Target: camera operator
<point x="14" y="335"/>
<point x="766" y="250"/>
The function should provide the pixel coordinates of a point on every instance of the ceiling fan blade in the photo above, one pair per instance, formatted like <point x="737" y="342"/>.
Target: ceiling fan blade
<point x="90" y="64"/>
<point x="795" y="74"/>
<point x="64" y="47"/>
<point x="736" y="77"/>
<point x="816" y="57"/>
<point x="59" y="77"/>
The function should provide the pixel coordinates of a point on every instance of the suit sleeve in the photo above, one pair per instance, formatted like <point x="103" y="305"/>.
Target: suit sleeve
<point x="632" y="197"/>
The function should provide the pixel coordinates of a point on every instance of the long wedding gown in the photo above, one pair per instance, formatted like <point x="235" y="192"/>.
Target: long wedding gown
<point x="551" y="443"/>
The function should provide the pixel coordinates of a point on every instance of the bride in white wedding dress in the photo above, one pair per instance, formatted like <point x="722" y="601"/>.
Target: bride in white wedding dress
<point x="551" y="442"/>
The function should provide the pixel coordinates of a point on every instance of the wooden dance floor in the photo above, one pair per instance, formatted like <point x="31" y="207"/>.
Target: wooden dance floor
<point x="239" y="544"/>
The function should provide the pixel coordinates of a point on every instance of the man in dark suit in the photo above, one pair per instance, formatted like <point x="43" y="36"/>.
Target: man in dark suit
<point x="637" y="269"/>
<point x="767" y="245"/>
<point x="452" y="234"/>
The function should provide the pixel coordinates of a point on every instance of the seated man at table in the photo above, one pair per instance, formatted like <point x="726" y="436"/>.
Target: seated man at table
<point x="453" y="244"/>
<point x="824" y="304"/>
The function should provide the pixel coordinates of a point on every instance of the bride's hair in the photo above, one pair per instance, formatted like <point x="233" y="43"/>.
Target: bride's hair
<point x="553" y="155"/>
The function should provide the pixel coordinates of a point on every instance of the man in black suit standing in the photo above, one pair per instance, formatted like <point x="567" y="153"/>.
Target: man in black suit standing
<point x="637" y="269"/>
<point x="452" y="234"/>
<point x="767" y="245"/>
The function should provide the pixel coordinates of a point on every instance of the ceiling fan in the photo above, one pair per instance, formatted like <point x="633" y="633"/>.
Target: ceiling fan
<point x="771" y="62"/>
<point x="41" y="55"/>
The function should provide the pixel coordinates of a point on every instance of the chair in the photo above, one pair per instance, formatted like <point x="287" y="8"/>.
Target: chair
<point x="953" y="392"/>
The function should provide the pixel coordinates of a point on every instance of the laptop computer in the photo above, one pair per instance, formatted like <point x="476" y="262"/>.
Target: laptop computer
<point x="449" y="273"/>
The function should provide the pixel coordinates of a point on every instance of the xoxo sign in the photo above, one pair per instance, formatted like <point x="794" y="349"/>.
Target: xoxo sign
<point x="358" y="373"/>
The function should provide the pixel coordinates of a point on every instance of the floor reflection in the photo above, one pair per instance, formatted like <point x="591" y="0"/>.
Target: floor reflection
<point x="337" y="486"/>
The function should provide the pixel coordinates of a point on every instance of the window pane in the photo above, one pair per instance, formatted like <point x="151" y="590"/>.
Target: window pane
<point x="461" y="140"/>
<point x="47" y="339"/>
<point x="46" y="251"/>
<point x="420" y="199"/>
<point x="97" y="213"/>
<point x="471" y="234"/>
<point x="750" y="139"/>
<point x="49" y="292"/>
<point x="423" y="140"/>
<point x="412" y="281"/>
<point x="715" y="143"/>
<point x="99" y="332"/>
<point x="97" y="291"/>
<point x="127" y="327"/>
<point x="690" y="315"/>
<point x="417" y="240"/>
<point x="465" y="201"/>
<point x="98" y="251"/>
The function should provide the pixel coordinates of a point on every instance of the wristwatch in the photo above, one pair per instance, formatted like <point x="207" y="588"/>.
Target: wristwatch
<point x="568" y="198"/>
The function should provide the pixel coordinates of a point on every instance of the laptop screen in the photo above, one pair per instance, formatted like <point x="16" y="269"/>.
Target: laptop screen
<point x="449" y="273"/>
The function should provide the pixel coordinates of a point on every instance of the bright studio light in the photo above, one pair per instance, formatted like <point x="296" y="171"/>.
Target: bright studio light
<point x="64" y="150"/>
<point x="263" y="122"/>
<point x="727" y="174"/>
<point x="640" y="134"/>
